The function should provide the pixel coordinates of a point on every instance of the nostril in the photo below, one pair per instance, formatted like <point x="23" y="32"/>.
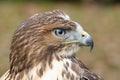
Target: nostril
<point x="83" y="35"/>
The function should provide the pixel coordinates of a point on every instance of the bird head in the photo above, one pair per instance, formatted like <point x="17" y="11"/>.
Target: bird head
<point x="43" y="35"/>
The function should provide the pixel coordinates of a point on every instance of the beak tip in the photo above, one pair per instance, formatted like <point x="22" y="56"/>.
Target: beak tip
<point x="90" y="43"/>
<point x="91" y="47"/>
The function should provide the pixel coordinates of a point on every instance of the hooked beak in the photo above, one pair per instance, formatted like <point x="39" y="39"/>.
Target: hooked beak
<point x="85" y="40"/>
<point x="90" y="43"/>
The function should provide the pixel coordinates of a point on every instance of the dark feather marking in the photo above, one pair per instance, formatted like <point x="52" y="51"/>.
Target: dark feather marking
<point x="77" y="61"/>
<point x="40" y="72"/>
<point x="31" y="78"/>
<point x="67" y="64"/>
<point x="20" y="76"/>
<point x="63" y="73"/>
<point x="87" y="75"/>
<point x="66" y="67"/>
<point x="68" y="75"/>
<point x="50" y="52"/>
<point x="75" y="68"/>
<point x="58" y="59"/>
<point x="83" y="78"/>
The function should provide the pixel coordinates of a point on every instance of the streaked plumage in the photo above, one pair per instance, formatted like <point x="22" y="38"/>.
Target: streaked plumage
<point x="44" y="47"/>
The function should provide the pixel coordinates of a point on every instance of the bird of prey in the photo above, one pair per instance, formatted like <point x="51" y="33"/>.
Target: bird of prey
<point x="44" y="46"/>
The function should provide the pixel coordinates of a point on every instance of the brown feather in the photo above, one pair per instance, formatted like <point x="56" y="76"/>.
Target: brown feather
<point x="35" y="51"/>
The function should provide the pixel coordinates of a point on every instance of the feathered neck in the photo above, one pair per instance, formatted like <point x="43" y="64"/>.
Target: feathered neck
<point x="20" y="61"/>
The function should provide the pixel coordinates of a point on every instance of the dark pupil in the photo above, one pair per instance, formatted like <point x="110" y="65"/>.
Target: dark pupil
<point x="59" y="32"/>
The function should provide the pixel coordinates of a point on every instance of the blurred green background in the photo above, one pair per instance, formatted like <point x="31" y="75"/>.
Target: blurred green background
<point x="100" y="18"/>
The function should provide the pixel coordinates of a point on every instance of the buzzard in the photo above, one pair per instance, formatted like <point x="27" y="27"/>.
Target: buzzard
<point x="43" y="48"/>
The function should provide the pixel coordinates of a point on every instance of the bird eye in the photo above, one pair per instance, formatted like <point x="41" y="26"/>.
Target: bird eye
<point x="59" y="32"/>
